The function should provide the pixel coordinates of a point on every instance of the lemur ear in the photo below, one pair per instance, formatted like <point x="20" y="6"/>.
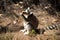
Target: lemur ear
<point x="21" y="2"/>
<point x="28" y="8"/>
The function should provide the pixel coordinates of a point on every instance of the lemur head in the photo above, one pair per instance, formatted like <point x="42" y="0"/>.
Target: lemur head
<point x="27" y="13"/>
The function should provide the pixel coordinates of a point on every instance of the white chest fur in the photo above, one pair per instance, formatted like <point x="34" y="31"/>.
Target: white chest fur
<point x="27" y="25"/>
<point x="27" y="28"/>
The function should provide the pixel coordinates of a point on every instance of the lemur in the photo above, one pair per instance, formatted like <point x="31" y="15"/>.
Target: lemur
<point x="27" y="25"/>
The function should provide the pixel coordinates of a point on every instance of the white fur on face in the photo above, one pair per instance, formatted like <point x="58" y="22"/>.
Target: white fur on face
<point x="26" y="16"/>
<point x="27" y="10"/>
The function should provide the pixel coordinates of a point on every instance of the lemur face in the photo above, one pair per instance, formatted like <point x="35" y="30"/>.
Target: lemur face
<point x="26" y="13"/>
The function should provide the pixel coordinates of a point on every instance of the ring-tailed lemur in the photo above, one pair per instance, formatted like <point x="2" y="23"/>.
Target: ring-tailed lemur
<point x="53" y="27"/>
<point x="27" y="25"/>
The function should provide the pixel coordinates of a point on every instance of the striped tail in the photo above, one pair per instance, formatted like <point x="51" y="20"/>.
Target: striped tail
<point x="53" y="27"/>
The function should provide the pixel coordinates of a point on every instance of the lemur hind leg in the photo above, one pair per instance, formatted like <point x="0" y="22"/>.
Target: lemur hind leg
<point x="26" y="33"/>
<point x="28" y="28"/>
<point x="24" y="24"/>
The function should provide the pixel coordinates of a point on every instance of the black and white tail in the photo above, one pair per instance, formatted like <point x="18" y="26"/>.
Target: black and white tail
<point x="53" y="27"/>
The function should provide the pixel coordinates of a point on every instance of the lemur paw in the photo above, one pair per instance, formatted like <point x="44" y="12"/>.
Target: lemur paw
<point x="26" y="33"/>
<point x="22" y="30"/>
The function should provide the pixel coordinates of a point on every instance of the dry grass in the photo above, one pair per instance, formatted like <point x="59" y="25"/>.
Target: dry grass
<point x="20" y="36"/>
<point x="7" y="36"/>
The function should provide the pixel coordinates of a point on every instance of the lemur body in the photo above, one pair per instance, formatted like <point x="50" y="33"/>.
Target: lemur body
<point x="27" y="25"/>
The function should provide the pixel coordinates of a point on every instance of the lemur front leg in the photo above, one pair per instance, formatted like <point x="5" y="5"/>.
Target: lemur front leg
<point x="23" y="30"/>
